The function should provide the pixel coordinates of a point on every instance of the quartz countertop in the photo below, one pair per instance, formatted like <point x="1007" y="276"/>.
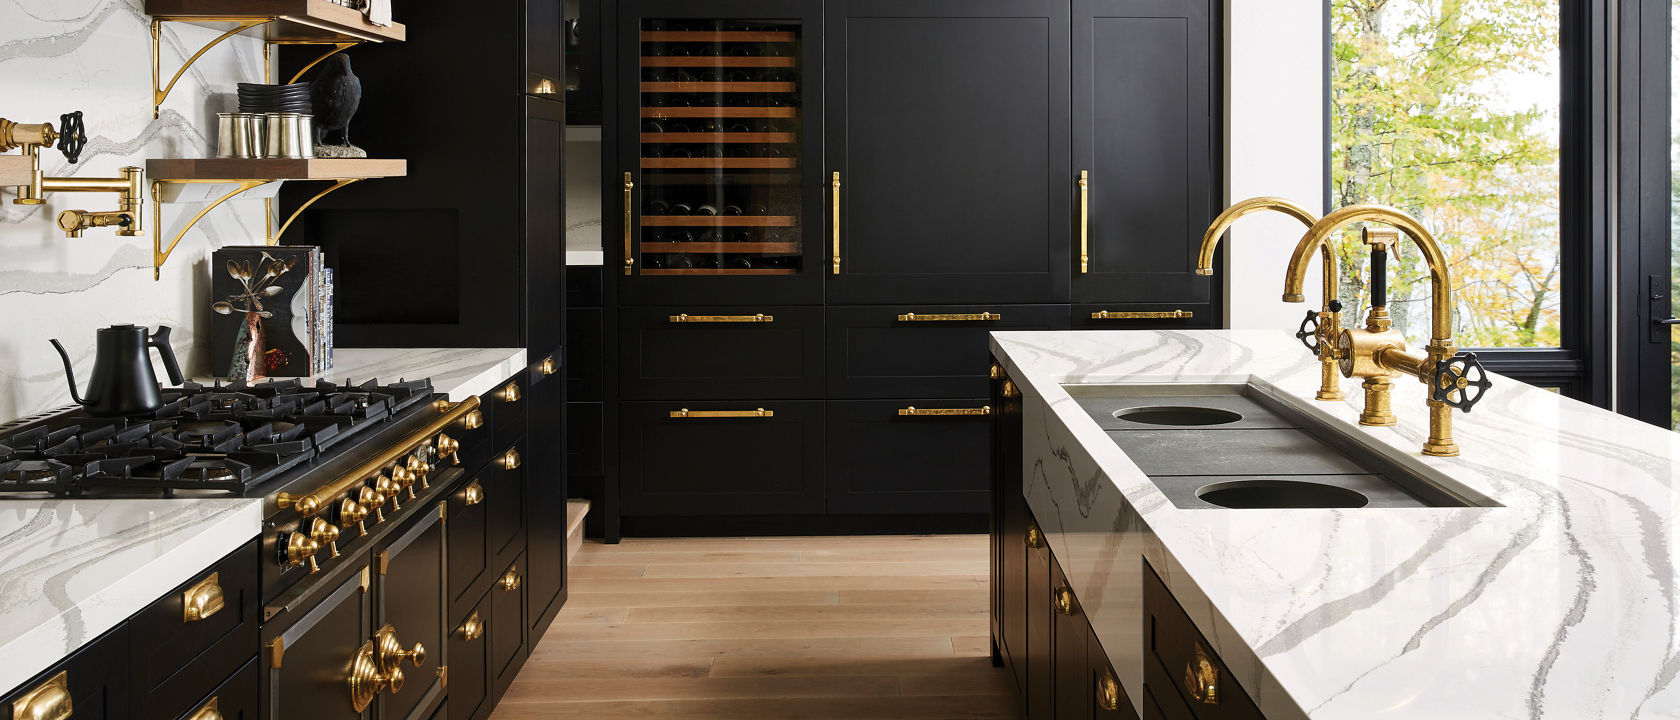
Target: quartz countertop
<point x="1560" y="603"/>
<point x="72" y="569"/>
<point x="460" y="372"/>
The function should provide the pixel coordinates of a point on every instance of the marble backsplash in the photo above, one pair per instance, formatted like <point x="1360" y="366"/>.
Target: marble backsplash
<point x="94" y="55"/>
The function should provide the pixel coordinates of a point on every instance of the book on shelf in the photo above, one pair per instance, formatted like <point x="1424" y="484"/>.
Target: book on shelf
<point x="270" y="312"/>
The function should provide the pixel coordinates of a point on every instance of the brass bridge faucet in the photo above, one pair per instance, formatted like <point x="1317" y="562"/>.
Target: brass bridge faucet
<point x="1318" y="331"/>
<point x="71" y="137"/>
<point x="1377" y="352"/>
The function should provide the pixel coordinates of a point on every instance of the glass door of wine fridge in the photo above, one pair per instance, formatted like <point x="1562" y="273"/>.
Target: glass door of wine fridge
<point x="718" y="146"/>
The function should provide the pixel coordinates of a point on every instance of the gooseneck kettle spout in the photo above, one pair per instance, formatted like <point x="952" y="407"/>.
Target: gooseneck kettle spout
<point x="123" y="381"/>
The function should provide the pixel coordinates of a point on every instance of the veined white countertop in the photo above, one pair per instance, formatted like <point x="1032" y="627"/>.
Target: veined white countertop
<point x="460" y="372"/>
<point x="1562" y="603"/>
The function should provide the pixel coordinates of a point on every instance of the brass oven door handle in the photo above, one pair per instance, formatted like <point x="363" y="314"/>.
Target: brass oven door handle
<point x="202" y="599"/>
<point x="951" y="317"/>
<point x="1150" y="315"/>
<point x="687" y="318"/>
<point x="366" y="680"/>
<point x="629" y="197"/>
<point x="757" y="413"/>
<point x="48" y="701"/>
<point x="1084" y="221"/>
<point x="913" y="411"/>
<point x="835" y="223"/>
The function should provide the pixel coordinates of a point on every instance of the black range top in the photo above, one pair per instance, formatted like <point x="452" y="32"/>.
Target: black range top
<point x="219" y="440"/>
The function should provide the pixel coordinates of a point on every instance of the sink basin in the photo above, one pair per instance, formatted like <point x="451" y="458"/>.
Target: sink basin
<point x="1237" y="447"/>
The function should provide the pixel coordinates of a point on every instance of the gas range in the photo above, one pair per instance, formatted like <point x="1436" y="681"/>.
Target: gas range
<point x="228" y="440"/>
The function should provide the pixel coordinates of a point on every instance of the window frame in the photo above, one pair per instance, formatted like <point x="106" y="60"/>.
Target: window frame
<point x="1643" y="206"/>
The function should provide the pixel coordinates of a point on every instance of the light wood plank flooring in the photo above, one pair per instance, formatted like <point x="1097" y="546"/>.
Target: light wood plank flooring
<point x="870" y="627"/>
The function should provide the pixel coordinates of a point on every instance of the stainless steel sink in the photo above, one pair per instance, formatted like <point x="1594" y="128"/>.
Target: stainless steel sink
<point x="1235" y="446"/>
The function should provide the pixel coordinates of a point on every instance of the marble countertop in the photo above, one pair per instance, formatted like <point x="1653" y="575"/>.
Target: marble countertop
<point x="1561" y="603"/>
<point x="460" y="372"/>
<point x="72" y="569"/>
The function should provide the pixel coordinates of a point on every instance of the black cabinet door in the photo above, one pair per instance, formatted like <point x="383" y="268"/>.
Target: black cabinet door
<point x="237" y="698"/>
<point x="947" y="124"/>
<point x="1072" y="678"/>
<point x="545" y="215"/>
<point x="505" y="494"/>
<point x="95" y="677"/>
<point x="508" y="646"/>
<point x="410" y="601"/>
<point x="1041" y="638"/>
<point x="544" y="42"/>
<point x="698" y="463"/>
<point x="1143" y="132"/>
<point x="176" y="656"/>
<point x="921" y="351"/>
<point x="1109" y="698"/>
<point x="1010" y="521"/>
<point x="921" y="456"/>
<point x="718" y="353"/>
<point x="585" y="333"/>
<point x="506" y="408"/>
<point x="471" y="561"/>
<point x="469" y="664"/>
<point x="545" y="513"/>
<point x="308" y="662"/>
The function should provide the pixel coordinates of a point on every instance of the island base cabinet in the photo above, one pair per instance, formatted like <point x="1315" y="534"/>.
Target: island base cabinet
<point x="508" y="639"/>
<point x="469" y="681"/>
<point x="1041" y="638"/>
<point x="1109" y="700"/>
<point x="237" y="698"/>
<point x="95" y="677"/>
<point x="1175" y="652"/>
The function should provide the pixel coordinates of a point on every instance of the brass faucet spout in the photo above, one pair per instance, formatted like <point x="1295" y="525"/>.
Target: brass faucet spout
<point x="1440" y="290"/>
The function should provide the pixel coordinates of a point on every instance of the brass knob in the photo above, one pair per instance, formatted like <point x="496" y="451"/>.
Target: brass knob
<point x="48" y="701"/>
<point x="1064" y="600"/>
<point x="548" y="366"/>
<point x="511" y="392"/>
<point x="1108" y="691"/>
<point x="202" y="600"/>
<point x="366" y="680"/>
<point x="391" y="653"/>
<point x="510" y="581"/>
<point x="325" y="533"/>
<point x="448" y="447"/>
<point x="473" y="628"/>
<point x="388" y="489"/>
<point x="1035" y="537"/>
<point x="511" y="459"/>
<point x="1201" y="678"/>
<point x="404" y="479"/>
<point x="301" y="549"/>
<point x="474" y="420"/>
<point x="419" y="467"/>
<point x="352" y="513"/>
<point x="208" y="712"/>
<point x="474" y="494"/>
<point x="372" y="501"/>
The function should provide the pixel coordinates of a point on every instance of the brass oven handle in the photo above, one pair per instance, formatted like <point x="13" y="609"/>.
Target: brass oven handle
<point x="312" y="504"/>
<point x="758" y="413"/>
<point x="1108" y="691"/>
<point x="950" y="317"/>
<point x="366" y="680"/>
<point x="1034" y="537"/>
<point x="687" y="318"/>
<point x="1064" y="600"/>
<point x="474" y="493"/>
<point x="473" y="628"/>
<point x="913" y="411"/>
<point x="202" y="600"/>
<point x="1201" y="678"/>
<point x="510" y="461"/>
<point x="48" y="701"/>
<point x="511" y="580"/>
<point x="511" y="393"/>
<point x="208" y="712"/>
<point x="835" y="224"/>
<point x="1151" y="315"/>
<point x="629" y="198"/>
<point x="1084" y="221"/>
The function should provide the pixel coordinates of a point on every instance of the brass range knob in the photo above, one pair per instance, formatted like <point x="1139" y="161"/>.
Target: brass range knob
<point x="473" y="628"/>
<point x="389" y="489"/>
<point x="367" y="680"/>
<point x="511" y="580"/>
<point x="350" y="513"/>
<point x="300" y="550"/>
<point x="474" y="494"/>
<point x="372" y="502"/>
<point x="391" y="653"/>
<point x="325" y="533"/>
<point x="448" y="447"/>
<point x="420" y="466"/>
<point x="404" y="479"/>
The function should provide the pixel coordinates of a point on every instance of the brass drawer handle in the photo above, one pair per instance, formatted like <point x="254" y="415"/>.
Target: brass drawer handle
<point x="950" y="317"/>
<point x="964" y="412"/>
<point x="1034" y="537"/>
<point x="473" y="420"/>
<point x="474" y="493"/>
<point x="1108" y="691"/>
<point x="202" y="599"/>
<point x="629" y="198"/>
<point x="758" y="413"/>
<point x="548" y="366"/>
<point x="48" y="701"/>
<point x="510" y="461"/>
<point x="1009" y="390"/>
<point x="1064" y="600"/>
<point x="511" y="580"/>
<point x="473" y="628"/>
<point x="366" y="680"/>
<point x="208" y="712"/>
<point x="511" y="393"/>
<point x="1151" y="315"/>
<point x="687" y="318"/>
<point x="1201" y="678"/>
<point x="391" y="653"/>
<point x="1084" y="221"/>
<point x="835" y="225"/>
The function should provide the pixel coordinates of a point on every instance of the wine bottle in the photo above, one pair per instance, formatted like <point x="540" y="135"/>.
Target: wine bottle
<point x="759" y="209"/>
<point x="653" y="261"/>
<point x="653" y="126"/>
<point x="680" y="261"/>
<point x="676" y="126"/>
<point x="678" y="51"/>
<point x="679" y="151"/>
<point x="739" y="126"/>
<point x="711" y="75"/>
<point x="709" y="262"/>
<point x="733" y="209"/>
<point x="739" y="151"/>
<point x="682" y="209"/>
<point x="653" y="150"/>
<point x="706" y="209"/>
<point x="711" y="151"/>
<point x="740" y="263"/>
<point x="709" y="236"/>
<point x="740" y="76"/>
<point x="683" y="76"/>
<point x="679" y="235"/>
<point x="656" y="207"/>
<point x="739" y="236"/>
<point x="711" y="126"/>
<point x="708" y="100"/>
<point x="743" y="50"/>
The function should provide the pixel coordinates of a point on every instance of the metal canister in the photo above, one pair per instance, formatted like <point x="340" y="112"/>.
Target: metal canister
<point x="248" y="138"/>
<point x="226" y="130"/>
<point x="290" y="135"/>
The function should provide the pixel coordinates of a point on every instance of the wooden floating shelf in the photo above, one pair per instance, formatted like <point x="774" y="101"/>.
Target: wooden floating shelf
<point x="200" y="169"/>
<point x="718" y="137"/>
<point x="712" y="61"/>
<point x="747" y="86"/>
<point x="724" y="248"/>
<point x="291" y="21"/>
<point x="717" y="36"/>
<point x="15" y="170"/>
<point x="717" y="221"/>
<point x="719" y="271"/>
<point x="720" y="112"/>
<point x="721" y="163"/>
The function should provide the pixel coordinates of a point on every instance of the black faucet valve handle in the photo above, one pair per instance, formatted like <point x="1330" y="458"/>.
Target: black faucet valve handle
<point x="72" y="136"/>
<point x="1460" y="381"/>
<point x="1308" y="332"/>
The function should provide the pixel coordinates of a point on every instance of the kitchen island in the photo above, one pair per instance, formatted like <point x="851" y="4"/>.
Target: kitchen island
<point x="1559" y="602"/>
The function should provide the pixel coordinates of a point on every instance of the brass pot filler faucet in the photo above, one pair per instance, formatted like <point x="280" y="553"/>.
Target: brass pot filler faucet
<point x="72" y="137"/>
<point x="1377" y="353"/>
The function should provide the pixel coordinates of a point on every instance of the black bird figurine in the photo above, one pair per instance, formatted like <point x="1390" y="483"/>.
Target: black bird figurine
<point x="335" y="94"/>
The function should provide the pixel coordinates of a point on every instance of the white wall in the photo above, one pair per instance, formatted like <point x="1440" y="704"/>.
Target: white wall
<point x="1274" y="145"/>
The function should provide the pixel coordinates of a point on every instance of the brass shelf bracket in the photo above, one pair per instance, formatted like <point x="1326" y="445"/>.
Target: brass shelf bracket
<point x="336" y="49"/>
<point x="160" y="252"/>
<point x="275" y="238"/>
<point x="159" y="92"/>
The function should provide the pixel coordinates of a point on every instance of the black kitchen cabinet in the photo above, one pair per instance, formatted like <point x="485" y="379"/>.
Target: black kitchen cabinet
<point x="544" y="46"/>
<point x="1180" y="667"/>
<point x="1109" y="700"/>
<point x="544" y="208"/>
<point x="471" y="561"/>
<point x="1144" y="147"/>
<point x="947" y="125"/>
<point x="921" y="351"/>
<point x="470" y="696"/>
<point x="93" y="681"/>
<point x="508" y="638"/>
<point x="1072" y="677"/>
<point x="583" y="62"/>
<point x="507" y="409"/>
<point x="925" y="456"/>
<point x="1013" y="534"/>
<point x="505" y="495"/>
<point x="237" y="698"/>
<point x="1041" y="638"/>
<point x="721" y="458"/>
<point x="409" y="605"/>
<point x="186" y="642"/>
<point x="545" y="481"/>
<point x="715" y="353"/>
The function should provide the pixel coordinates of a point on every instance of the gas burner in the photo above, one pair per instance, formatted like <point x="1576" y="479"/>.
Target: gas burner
<point x="210" y="469"/>
<point x="225" y="402"/>
<point x="210" y="434"/>
<point x="35" y="475"/>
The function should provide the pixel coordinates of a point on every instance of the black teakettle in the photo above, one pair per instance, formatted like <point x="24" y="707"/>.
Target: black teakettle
<point x="123" y="381"/>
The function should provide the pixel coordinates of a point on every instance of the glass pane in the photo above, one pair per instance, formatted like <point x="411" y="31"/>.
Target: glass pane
<point x="720" y="147"/>
<point x="1448" y="110"/>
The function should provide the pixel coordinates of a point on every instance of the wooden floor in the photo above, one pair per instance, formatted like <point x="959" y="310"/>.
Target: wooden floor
<point x="850" y="627"/>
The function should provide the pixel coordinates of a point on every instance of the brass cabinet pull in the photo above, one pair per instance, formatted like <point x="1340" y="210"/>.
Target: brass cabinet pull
<point x="758" y="413"/>
<point x="687" y="318"/>
<point x="1201" y="678"/>
<point x="1084" y="221"/>
<point x="1035" y="537"/>
<point x="511" y="393"/>
<point x="48" y="701"/>
<point x="997" y="372"/>
<point x="1009" y="390"/>
<point x="474" y="493"/>
<point x="1064" y="600"/>
<point x="366" y="680"/>
<point x="473" y="420"/>
<point x="473" y="628"/>
<point x="548" y="366"/>
<point x="511" y="581"/>
<point x="1152" y="315"/>
<point x="208" y="712"/>
<point x="835" y="184"/>
<point x="925" y="412"/>
<point x="1108" y="691"/>
<point x="629" y="198"/>
<point x="511" y="459"/>
<point x="950" y="317"/>
<point x="202" y="599"/>
<point x="391" y="652"/>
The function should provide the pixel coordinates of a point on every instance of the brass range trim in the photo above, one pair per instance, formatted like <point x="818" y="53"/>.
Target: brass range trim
<point x="316" y="501"/>
<point x="913" y="411"/>
<point x="1143" y="315"/>
<point x="686" y="318"/>
<point x="951" y="317"/>
<point x="755" y="413"/>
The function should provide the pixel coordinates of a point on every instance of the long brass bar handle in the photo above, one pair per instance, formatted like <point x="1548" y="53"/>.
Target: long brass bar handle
<point x="1151" y="315"/>
<point x="757" y="413"/>
<point x="950" y="317"/>
<point x="913" y="411"/>
<point x="629" y="198"/>
<point x="835" y="223"/>
<point x="1084" y="221"/>
<point x="687" y="318"/>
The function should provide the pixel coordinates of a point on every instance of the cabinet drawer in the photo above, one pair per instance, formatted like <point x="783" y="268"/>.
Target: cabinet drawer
<point x="184" y="643"/>
<point x="749" y="464"/>
<point x="504" y="496"/>
<point x="583" y="438"/>
<point x="469" y="664"/>
<point x="735" y="356"/>
<point x="507" y="633"/>
<point x="583" y="354"/>
<point x="1174" y="648"/>
<point x="506" y="409"/>
<point x="886" y="460"/>
<point x="887" y="352"/>
<point x="93" y="676"/>
<point x="1072" y="677"/>
<point x="468" y="555"/>
<point x="237" y="698"/>
<point x="1143" y="316"/>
